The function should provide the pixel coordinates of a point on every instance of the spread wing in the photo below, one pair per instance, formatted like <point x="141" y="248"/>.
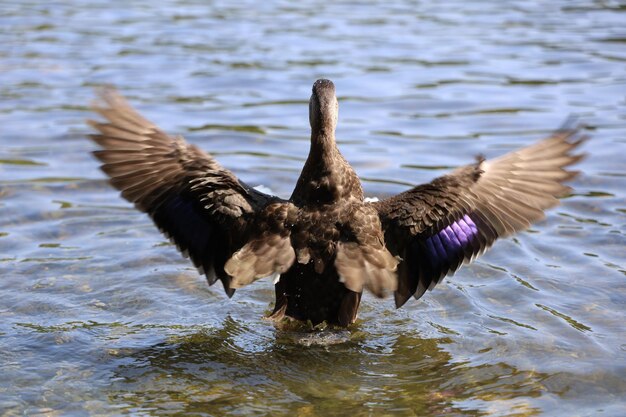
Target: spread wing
<point x="436" y="227"/>
<point x="202" y="207"/>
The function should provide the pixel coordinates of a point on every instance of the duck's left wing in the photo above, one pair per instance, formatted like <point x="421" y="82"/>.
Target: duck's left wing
<point x="203" y="208"/>
<point x="436" y="227"/>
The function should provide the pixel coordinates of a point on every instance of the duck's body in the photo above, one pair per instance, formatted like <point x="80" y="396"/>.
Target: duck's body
<point x="339" y="250"/>
<point x="325" y="241"/>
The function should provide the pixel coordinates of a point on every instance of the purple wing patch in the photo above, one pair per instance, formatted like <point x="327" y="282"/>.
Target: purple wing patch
<point x="449" y="244"/>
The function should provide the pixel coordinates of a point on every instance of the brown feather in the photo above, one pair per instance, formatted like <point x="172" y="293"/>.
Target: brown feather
<point x="405" y="244"/>
<point x="163" y="175"/>
<point x="502" y="196"/>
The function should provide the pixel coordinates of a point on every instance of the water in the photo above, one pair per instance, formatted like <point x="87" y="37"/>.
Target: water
<point x="100" y="315"/>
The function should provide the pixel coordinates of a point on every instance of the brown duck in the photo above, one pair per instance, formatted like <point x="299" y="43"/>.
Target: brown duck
<point x="326" y="243"/>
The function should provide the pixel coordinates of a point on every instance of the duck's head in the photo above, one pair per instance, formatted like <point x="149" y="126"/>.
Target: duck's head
<point x="323" y="108"/>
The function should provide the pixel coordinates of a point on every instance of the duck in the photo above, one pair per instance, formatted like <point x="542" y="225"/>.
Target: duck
<point x="326" y="244"/>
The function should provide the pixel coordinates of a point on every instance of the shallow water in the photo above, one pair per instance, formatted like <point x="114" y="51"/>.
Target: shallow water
<point x="99" y="313"/>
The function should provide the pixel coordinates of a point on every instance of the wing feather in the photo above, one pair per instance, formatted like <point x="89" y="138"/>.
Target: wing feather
<point x="436" y="227"/>
<point x="202" y="207"/>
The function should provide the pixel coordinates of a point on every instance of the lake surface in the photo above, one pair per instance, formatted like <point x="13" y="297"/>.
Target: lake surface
<point x="99" y="314"/>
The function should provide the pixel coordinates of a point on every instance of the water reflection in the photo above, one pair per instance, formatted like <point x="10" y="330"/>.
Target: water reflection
<point x="234" y="368"/>
<point x="100" y="315"/>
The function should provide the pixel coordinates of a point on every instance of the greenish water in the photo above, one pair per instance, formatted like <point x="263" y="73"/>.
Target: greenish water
<point x="100" y="315"/>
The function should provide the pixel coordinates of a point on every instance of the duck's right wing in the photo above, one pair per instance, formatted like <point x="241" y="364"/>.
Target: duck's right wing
<point x="209" y="214"/>
<point x="436" y="227"/>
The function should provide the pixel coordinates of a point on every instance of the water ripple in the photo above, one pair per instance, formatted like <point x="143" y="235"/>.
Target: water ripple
<point x="99" y="313"/>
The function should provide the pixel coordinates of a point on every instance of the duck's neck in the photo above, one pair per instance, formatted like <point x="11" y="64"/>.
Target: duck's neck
<point x="323" y="146"/>
<point x="326" y="177"/>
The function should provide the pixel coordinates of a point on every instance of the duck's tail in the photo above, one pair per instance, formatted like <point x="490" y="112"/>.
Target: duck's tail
<point x="307" y="296"/>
